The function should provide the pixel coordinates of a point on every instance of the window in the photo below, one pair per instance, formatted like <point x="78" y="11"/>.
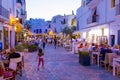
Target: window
<point x="49" y="26"/>
<point x="77" y="25"/>
<point x="112" y="3"/>
<point x="46" y="30"/>
<point x="40" y="31"/>
<point x="54" y="21"/>
<point x="19" y="1"/>
<point x="36" y="30"/>
<point x="63" y="22"/>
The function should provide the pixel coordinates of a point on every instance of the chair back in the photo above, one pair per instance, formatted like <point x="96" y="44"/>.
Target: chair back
<point x="106" y="58"/>
<point x="16" y="60"/>
<point x="110" y="58"/>
<point x="13" y="65"/>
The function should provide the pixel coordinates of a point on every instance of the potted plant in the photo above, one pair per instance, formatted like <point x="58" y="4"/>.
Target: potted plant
<point x="32" y="48"/>
<point x="84" y="58"/>
<point x="19" y="47"/>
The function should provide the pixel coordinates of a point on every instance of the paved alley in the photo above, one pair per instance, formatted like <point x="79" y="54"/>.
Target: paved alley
<point x="62" y="65"/>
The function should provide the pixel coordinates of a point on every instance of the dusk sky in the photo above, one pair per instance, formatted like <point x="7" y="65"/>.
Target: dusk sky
<point x="48" y="8"/>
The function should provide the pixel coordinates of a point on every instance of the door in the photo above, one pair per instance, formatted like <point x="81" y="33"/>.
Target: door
<point x="6" y="38"/>
<point x="112" y="40"/>
<point x="118" y="37"/>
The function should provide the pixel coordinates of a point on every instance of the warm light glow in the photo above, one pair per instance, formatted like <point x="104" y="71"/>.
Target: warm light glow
<point x="25" y="35"/>
<point x="15" y="29"/>
<point x="84" y="35"/>
<point x="106" y="32"/>
<point x="50" y="32"/>
<point x="12" y="21"/>
<point x="16" y="19"/>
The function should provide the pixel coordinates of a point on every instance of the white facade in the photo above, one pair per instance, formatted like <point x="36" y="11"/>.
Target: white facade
<point x="59" y="22"/>
<point x="5" y="28"/>
<point x="97" y="18"/>
<point x="8" y="16"/>
<point x="38" y="26"/>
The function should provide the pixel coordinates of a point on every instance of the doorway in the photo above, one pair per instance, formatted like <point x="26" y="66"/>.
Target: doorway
<point x="112" y="39"/>
<point x="118" y="37"/>
<point x="6" y="38"/>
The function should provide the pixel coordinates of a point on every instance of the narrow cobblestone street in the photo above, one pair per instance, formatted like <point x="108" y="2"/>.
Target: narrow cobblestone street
<point x="62" y="65"/>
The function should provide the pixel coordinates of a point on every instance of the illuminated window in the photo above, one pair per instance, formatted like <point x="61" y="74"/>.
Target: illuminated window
<point x="112" y="3"/>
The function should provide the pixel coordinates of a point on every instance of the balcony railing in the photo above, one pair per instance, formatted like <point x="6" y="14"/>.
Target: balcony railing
<point x="118" y="9"/>
<point x="23" y="12"/>
<point x="92" y="19"/>
<point x="4" y="12"/>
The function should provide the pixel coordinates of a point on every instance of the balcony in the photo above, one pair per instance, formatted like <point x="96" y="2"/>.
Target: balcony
<point x="93" y="19"/>
<point x="4" y="14"/>
<point x="23" y="12"/>
<point x="118" y="9"/>
<point x="92" y="3"/>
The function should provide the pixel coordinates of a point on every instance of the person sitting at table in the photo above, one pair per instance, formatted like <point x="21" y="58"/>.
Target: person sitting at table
<point x="4" y="55"/>
<point x="116" y="50"/>
<point x="103" y="50"/>
<point x="13" y="54"/>
<point x="81" y="45"/>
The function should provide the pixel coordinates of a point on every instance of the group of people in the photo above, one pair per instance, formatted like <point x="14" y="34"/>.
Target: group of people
<point x="102" y="48"/>
<point x="43" y="41"/>
<point x="5" y="60"/>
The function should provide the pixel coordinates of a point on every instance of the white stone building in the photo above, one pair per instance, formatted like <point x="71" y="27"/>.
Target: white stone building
<point x="38" y="26"/>
<point x="5" y="28"/>
<point x="8" y="14"/>
<point x="98" y="21"/>
<point x="59" y="22"/>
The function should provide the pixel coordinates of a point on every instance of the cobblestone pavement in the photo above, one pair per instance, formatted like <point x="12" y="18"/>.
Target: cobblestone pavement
<point x="62" y="65"/>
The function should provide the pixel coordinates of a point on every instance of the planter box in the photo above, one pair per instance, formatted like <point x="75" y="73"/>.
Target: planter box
<point x="84" y="58"/>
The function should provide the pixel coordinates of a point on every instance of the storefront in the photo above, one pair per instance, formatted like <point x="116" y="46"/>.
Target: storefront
<point x="97" y="34"/>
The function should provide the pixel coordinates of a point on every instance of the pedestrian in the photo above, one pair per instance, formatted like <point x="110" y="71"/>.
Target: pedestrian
<point x="55" y="42"/>
<point x="44" y="42"/>
<point x="40" y="58"/>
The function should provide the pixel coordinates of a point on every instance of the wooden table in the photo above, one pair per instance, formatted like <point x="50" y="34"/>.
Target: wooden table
<point x="95" y="53"/>
<point x="116" y="62"/>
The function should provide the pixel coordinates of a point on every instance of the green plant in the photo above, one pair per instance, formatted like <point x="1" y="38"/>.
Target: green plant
<point x="25" y="45"/>
<point x="32" y="48"/>
<point x="84" y="58"/>
<point x="19" y="47"/>
<point x="84" y="53"/>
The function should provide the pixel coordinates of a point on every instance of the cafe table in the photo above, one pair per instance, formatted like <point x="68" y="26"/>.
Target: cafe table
<point x="116" y="63"/>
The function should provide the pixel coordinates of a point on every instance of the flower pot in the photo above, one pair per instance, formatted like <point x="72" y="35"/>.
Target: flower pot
<point x="84" y="58"/>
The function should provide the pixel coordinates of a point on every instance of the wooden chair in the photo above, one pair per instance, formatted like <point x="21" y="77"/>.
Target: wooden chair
<point x="110" y="60"/>
<point x="6" y="74"/>
<point x="12" y="69"/>
<point x="105" y="62"/>
<point x="19" y="62"/>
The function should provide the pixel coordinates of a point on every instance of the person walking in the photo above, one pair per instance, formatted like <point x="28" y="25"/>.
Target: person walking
<point x="44" y="41"/>
<point x="40" y="58"/>
<point x="55" y="42"/>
